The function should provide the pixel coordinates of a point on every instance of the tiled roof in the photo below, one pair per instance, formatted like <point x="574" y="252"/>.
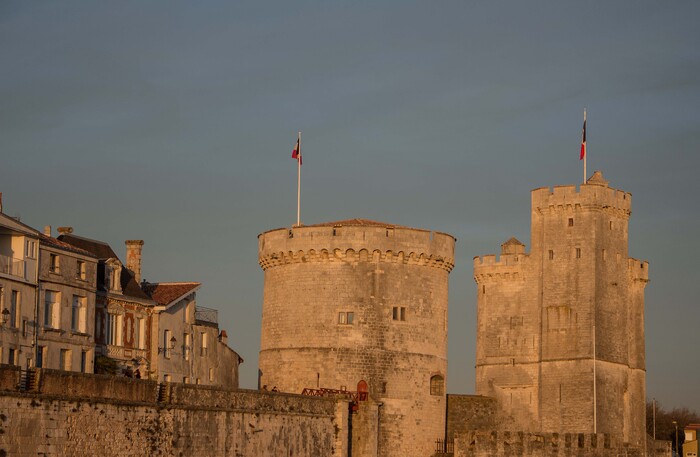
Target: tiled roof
<point x="54" y="243"/>
<point x="166" y="292"/>
<point x="513" y="240"/>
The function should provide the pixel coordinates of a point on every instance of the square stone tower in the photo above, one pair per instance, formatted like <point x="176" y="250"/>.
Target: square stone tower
<point x="560" y="339"/>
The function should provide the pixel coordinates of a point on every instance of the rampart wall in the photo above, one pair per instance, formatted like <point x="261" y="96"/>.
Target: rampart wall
<point x="521" y="444"/>
<point x="72" y="414"/>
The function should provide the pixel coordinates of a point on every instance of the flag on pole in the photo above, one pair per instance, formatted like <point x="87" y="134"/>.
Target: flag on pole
<point x="583" y="139"/>
<point x="296" y="152"/>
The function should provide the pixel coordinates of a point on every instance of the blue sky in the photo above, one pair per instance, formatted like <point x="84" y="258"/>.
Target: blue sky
<point x="173" y="122"/>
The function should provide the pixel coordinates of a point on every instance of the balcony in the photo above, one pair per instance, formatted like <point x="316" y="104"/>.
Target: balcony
<point x="205" y="316"/>
<point x="12" y="267"/>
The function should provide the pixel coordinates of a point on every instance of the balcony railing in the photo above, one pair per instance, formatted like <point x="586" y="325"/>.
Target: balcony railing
<point x="10" y="266"/>
<point x="206" y="315"/>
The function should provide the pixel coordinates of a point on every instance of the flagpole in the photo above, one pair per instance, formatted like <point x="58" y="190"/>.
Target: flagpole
<point x="299" y="183"/>
<point x="585" y="152"/>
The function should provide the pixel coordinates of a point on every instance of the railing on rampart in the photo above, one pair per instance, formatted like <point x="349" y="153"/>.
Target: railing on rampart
<point x="207" y="315"/>
<point x="354" y="397"/>
<point x="11" y="266"/>
<point x="444" y="447"/>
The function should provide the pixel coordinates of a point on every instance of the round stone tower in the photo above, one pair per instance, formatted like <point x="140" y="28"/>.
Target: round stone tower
<point x="361" y="305"/>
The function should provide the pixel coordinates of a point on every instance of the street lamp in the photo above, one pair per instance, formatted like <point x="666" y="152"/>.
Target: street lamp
<point x="171" y="346"/>
<point x="676" y="425"/>
<point x="5" y="316"/>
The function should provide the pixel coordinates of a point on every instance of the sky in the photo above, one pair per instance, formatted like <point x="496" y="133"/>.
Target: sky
<point x="173" y="122"/>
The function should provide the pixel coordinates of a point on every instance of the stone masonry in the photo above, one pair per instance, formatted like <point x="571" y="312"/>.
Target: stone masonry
<point x="356" y="302"/>
<point x="560" y="338"/>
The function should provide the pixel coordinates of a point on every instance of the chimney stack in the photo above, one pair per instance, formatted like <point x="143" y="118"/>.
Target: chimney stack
<point x="133" y="257"/>
<point x="47" y="230"/>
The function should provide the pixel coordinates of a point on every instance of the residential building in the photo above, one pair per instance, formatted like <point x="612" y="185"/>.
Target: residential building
<point x="19" y="263"/>
<point x="66" y="317"/>
<point x="690" y="444"/>
<point x="124" y="314"/>
<point x="190" y="348"/>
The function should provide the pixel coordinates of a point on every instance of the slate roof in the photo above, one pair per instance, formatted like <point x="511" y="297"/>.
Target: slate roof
<point x="166" y="292"/>
<point x="355" y="222"/>
<point x="104" y="251"/>
<point x="99" y="249"/>
<point x="55" y="243"/>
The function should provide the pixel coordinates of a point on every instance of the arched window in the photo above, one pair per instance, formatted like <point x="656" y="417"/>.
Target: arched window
<point x="437" y="385"/>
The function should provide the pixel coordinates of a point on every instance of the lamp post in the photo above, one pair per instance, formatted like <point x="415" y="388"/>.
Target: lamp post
<point x="676" y="425"/>
<point x="5" y="316"/>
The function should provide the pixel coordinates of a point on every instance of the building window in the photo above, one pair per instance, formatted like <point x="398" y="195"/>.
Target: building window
<point x="77" y="315"/>
<point x="185" y="379"/>
<point x="12" y="356"/>
<point x="54" y="263"/>
<point x="140" y="333"/>
<point x="15" y="308"/>
<point x="551" y="255"/>
<point x="571" y="222"/>
<point x="610" y="226"/>
<point x="605" y="254"/>
<point x="398" y="313"/>
<point x="30" y="249"/>
<point x="187" y="338"/>
<point x="346" y="317"/>
<point x="66" y="359"/>
<point x="166" y="378"/>
<point x="83" y="361"/>
<point x="80" y="270"/>
<point x="437" y="385"/>
<point x="41" y="356"/>
<point x="52" y="308"/>
<point x="205" y="343"/>
<point x="167" y="349"/>
<point x="578" y="253"/>
<point x="114" y="325"/>
<point x="211" y="375"/>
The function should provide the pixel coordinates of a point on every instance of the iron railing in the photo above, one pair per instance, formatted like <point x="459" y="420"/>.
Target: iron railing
<point x="444" y="447"/>
<point x="10" y="266"/>
<point x="206" y="315"/>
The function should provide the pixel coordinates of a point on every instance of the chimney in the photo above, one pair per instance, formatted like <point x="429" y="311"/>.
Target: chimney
<point x="223" y="337"/>
<point x="47" y="230"/>
<point x="133" y="257"/>
<point x="65" y="230"/>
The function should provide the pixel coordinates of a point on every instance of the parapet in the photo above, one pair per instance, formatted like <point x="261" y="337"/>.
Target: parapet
<point x="639" y="269"/>
<point x="595" y="192"/>
<point x="356" y="240"/>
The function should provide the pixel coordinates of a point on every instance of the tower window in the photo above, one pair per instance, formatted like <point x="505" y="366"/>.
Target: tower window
<point x="605" y="254"/>
<point x="346" y="318"/>
<point x="571" y="222"/>
<point x="578" y="253"/>
<point x="437" y="385"/>
<point x="398" y="313"/>
<point x="483" y="289"/>
<point x="551" y="255"/>
<point x="610" y="226"/>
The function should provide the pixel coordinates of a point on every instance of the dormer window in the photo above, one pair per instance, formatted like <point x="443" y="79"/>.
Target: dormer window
<point x="113" y="273"/>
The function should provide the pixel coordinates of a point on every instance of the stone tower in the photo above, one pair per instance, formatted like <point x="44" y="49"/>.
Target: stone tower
<point x="353" y="302"/>
<point x="560" y="339"/>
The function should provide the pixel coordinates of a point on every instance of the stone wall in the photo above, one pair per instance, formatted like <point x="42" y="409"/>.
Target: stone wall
<point x="91" y="415"/>
<point x="470" y="412"/>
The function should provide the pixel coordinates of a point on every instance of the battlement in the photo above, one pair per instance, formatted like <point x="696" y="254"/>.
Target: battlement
<point x="507" y="267"/>
<point x="595" y="192"/>
<point x="491" y="442"/>
<point x="368" y="241"/>
<point x="639" y="269"/>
